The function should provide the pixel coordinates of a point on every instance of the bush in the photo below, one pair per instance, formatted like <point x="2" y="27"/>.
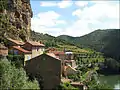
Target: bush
<point x="100" y="86"/>
<point x="66" y="86"/>
<point x="13" y="78"/>
<point x="18" y="60"/>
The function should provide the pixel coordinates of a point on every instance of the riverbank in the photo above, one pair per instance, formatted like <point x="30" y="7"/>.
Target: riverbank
<point x="111" y="80"/>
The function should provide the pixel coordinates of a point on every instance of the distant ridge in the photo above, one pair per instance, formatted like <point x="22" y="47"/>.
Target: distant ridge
<point x="106" y="41"/>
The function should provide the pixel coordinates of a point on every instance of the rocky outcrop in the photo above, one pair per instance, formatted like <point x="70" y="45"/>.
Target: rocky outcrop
<point x="15" y="18"/>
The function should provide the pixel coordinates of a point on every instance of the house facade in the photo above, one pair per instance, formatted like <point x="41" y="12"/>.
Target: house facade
<point x="46" y="66"/>
<point x="36" y="48"/>
<point x="72" y="63"/>
<point x="58" y="54"/>
<point x="68" y="70"/>
<point x="17" y="50"/>
<point x="29" y="49"/>
<point x="67" y="60"/>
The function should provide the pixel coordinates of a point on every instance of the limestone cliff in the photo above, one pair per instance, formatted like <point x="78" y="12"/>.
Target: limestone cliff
<point x="15" y="19"/>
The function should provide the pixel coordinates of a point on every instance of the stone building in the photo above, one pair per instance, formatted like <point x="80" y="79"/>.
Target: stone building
<point x="47" y="67"/>
<point x="37" y="48"/>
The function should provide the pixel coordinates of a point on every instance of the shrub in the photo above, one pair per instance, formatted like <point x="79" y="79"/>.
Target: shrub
<point x="13" y="78"/>
<point x="18" y="60"/>
<point x="66" y="86"/>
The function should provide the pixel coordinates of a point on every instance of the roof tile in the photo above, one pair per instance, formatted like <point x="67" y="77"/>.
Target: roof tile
<point x="16" y="41"/>
<point x="21" y="49"/>
<point x="33" y="43"/>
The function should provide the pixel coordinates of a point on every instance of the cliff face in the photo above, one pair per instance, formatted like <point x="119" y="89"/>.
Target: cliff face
<point x="15" y="18"/>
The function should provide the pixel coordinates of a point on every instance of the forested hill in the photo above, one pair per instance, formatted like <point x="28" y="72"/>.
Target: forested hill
<point x="60" y="44"/>
<point x="47" y="39"/>
<point x="106" y="41"/>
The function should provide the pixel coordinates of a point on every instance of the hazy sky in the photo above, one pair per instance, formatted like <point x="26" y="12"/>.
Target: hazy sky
<point x="75" y="18"/>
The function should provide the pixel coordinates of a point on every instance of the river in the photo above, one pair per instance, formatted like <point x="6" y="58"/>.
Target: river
<point x="112" y="80"/>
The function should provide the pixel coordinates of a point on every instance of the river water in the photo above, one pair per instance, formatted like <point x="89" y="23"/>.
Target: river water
<point x="112" y="80"/>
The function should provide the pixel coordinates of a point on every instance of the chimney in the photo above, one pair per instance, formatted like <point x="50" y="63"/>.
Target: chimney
<point x="40" y="42"/>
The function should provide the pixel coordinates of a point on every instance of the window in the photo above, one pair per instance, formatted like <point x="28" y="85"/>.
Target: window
<point x="37" y="48"/>
<point x="15" y="52"/>
<point x="11" y="51"/>
<point x="28" y="57"/>
<point x="42" y="49"/>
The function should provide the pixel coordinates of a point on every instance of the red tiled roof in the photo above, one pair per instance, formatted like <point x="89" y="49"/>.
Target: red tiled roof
<point x="16" y="41"/>
<point x="52" y="49"/>
<point x="51" y="54"/>
<point x="21" y="49"/>
<point x="58" y="52"/>
<point x="33" y="43"/>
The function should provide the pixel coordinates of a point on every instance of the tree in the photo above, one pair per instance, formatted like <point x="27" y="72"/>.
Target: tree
<point x="13" y="78"/>
<point x="93" y="85"/>
<point x="112" y="65"/>
<point x="65" y="86"/>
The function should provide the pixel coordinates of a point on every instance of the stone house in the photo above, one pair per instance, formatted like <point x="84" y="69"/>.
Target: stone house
<point x="29" y="49"/>
<point x="50" y="50"/>
<point x="68" y="70"/>
<point x="67" y="59"/>
<point x="47" y="67"/>
<point x="3" y="51"/>
<point x="72" y="63"/>
<point x="17" y="50"/>
<point x="58" y="54"/>
<point x="15" y="47"/>
<point x="37" y="48"/>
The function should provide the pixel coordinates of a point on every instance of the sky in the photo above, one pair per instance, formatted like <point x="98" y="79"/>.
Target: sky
<point x="74" y="17"/>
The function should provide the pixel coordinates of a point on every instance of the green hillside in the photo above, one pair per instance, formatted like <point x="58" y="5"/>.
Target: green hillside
<point x="48" y="40"/>
<point x="106" y="41"/>
<point x="60" y="44"/>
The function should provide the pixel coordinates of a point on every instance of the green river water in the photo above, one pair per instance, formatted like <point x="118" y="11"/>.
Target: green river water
<point x="112" y="80"/>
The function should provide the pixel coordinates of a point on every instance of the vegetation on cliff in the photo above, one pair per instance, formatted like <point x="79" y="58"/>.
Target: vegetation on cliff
<point x="15" y="17"/>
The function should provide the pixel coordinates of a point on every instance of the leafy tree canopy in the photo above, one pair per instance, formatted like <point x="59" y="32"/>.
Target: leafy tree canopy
<point x="13" y="78"/>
